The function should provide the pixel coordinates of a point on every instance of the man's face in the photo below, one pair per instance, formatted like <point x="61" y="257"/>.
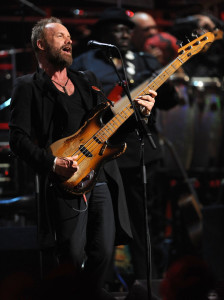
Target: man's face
<point x="58" y="45"/>
<point x="119" y="35"/>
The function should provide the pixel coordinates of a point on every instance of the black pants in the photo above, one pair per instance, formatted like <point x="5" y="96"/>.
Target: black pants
<point x="86" y="237"/>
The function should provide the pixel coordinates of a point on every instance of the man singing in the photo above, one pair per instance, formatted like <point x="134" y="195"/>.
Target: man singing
<point x="46" y="106"/>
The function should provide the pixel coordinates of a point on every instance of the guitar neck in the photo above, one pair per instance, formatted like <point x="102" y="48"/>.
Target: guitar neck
<point x="163" y="76"/>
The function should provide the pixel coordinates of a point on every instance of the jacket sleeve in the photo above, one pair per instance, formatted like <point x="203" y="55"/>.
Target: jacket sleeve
<point x="22" y="135"/>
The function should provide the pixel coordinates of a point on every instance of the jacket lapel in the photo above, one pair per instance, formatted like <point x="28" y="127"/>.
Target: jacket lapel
<point x="46" y="96"/>
<point x="84" y="88"/>
<point x="43" y="82"/>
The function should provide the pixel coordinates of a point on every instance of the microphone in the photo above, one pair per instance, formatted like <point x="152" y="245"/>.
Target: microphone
<point x="95" y="44"/>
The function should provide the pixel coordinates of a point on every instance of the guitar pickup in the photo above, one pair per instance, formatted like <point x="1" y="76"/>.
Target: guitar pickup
<point x="103" y="149"/>
<point x="85" y="151"/>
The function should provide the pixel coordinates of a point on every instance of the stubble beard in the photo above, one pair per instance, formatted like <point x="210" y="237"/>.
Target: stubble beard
<point x="57" y="59"/>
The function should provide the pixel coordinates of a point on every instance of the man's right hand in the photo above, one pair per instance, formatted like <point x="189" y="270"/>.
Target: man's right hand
<point x="66" y="166"/>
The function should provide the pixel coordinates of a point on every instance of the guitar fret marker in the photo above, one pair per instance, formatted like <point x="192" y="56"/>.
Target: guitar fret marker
<point x="115" y="122"/>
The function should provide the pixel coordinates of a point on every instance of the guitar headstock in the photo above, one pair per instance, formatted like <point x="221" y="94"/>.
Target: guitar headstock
<point x="201" y="43"/>
<point x="218" y="33"/>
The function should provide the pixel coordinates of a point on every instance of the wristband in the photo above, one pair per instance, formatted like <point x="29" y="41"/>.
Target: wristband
<point x="54" y="164"/>
<point x="142" y="109"/>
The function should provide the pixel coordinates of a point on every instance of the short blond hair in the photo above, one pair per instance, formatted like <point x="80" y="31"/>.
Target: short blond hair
<point x="38" y="30"/>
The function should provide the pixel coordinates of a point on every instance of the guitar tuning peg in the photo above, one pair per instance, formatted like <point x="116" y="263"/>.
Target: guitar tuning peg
<point x="179" y="43"/>
<point x="187" y="39"/>
<point x="194" y="33"/>
<point x="202" y="30"/>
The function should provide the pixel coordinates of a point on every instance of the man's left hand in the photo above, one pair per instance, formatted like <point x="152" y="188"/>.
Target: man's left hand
<point x="146" y="102"/>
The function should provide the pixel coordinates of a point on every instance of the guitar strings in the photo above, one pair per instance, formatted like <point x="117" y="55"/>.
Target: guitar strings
<point x="101" y="135"/>
<point x="92" y="145"/>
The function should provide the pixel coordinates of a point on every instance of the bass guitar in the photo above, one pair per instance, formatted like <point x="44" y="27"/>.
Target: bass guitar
<point x="90" y="142"/>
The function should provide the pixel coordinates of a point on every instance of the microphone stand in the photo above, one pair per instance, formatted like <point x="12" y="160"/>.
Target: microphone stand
<point x="142" y="131"/>
<point x="33" y="7"/>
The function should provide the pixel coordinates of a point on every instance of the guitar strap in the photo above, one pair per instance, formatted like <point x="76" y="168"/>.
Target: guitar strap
<point x="95" y="86"/>
<point x="90" y="78"/>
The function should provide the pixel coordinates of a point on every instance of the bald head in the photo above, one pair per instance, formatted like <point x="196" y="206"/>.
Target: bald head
<point x="145" y="27"/>
<point x="142" y="18"/>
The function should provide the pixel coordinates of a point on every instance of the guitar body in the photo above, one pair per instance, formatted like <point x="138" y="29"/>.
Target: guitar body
<point x="93" y="153"/>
